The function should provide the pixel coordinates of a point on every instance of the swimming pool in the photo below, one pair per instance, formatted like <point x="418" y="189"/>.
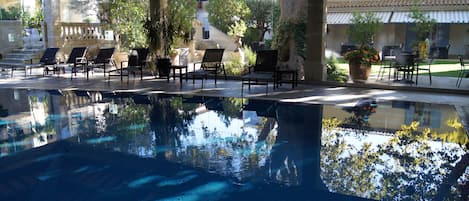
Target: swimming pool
<point x="91" y="145"/>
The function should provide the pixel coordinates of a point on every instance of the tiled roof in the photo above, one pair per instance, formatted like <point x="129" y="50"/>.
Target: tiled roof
<point x="396" y="5"/>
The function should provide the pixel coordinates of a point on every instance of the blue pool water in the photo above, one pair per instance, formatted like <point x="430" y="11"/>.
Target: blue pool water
<point x="90" y="145"/>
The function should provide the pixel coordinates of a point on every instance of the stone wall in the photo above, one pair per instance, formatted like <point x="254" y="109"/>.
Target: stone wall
<point x="7" y="3"/>
<point x="459" y="40"/>
<point x="10" y="35"/>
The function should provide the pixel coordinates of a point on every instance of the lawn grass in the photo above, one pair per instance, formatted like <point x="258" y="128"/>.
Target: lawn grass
<point x="451" y="73"/>
<point x="439" y="70"/>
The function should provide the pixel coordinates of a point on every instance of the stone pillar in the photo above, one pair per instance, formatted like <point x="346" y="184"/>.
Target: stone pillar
<point x="315" y="69"/>
<point x="51" y="33"/>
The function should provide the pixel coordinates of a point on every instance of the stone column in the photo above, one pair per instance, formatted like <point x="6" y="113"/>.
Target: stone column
<point x="315" y="69"/>
<point x="51" y="32"/>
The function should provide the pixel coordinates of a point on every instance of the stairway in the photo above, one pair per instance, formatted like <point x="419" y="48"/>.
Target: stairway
<point x="31" y="53"/>
<point x="17" y="58"/>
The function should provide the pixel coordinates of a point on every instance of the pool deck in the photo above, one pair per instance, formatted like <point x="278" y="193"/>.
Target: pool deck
<point x="322" y="93"/>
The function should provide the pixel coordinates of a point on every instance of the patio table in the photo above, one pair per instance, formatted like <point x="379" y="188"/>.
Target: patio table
<point x="180" y="68"/>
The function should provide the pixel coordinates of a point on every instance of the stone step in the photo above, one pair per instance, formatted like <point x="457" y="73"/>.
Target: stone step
<point x="18" y="55"/>
<point x="27" y="51"/>
<point x="17" y="59"/>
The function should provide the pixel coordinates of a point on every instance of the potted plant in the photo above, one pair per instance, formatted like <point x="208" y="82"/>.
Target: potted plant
<point x="360" y="61"/>
<point x="363" y="28"/>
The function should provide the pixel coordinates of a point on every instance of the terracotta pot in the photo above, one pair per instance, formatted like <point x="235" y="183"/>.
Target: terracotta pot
<point x="359" y="73"/>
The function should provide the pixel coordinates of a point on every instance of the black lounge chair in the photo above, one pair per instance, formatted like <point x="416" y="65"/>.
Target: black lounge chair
<point x="76" y="56"/>
<point x="137" y="60"/>
<point x="104" y="61"/>
<point x="211" y="64"/>
<point x="47" y="59"/>
<point x="263" y="72"/>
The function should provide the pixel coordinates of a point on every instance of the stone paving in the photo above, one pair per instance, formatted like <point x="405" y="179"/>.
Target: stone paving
<point x="306" y="93"/>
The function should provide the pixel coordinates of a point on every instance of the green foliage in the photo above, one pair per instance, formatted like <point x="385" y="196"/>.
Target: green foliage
<point x="287" y="30"/>
<point x="249" y="55"/>
<point x="364" y="55"/>
<point x="261" y="16"/>
<point x="334" y="73"/>
<point x="170" y="117"/>
<point x="234" y="66"/>
<point x="251" y="36"/>
<point x="237" y="29"/>
<point x="174" y="24"/>
<point x="458" y="135"/>
<point x="181" y="13"/>
<point x="222" y="12"/>
<point x="424" y="24"/>
<point x="405" y="166"/>
<point x="33" y="21"/>
<point x="363" y="27"/>
<point x="11" y="13"/>
<point x="232" y="108"/>
<point x="126" y="17"/>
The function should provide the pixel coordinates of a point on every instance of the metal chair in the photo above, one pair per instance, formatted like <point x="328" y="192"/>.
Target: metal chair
<point x="388" y="54"/>
<point x="426" y="67"/>
<point x="463" y="72"/>
<point x="405" y="63"/>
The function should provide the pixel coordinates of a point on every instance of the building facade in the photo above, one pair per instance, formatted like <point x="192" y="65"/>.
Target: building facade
<point x="450" y="38"/>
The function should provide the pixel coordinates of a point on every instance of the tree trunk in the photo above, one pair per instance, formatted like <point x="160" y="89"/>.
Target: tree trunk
<point x="157" y="8"/>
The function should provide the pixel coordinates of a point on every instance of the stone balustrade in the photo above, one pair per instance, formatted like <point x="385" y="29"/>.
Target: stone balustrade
<point x="81" y="31"/>
<point x="91" y="35"/>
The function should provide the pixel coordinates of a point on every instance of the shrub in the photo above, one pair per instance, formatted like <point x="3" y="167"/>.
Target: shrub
<point x="334" y="73"/>
<point x="234" y="66"/>
<point x="249" y="56"/>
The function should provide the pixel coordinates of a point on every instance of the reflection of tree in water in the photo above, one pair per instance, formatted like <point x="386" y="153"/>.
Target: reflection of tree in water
<point x="405" y="167"/>
<point x="236" y="155"/>
<point x="169" y="118"/>
<point x="130" y="126"/>
<point x="232" y="108"/>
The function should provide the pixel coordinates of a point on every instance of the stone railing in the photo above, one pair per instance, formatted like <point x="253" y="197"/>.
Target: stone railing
<point x="91" y="35"/>
<point x="81" y="31"/>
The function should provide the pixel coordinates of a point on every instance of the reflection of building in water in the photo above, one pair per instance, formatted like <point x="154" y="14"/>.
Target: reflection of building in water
<point x="390" y="117"/>
<point x="37" y="117"/>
